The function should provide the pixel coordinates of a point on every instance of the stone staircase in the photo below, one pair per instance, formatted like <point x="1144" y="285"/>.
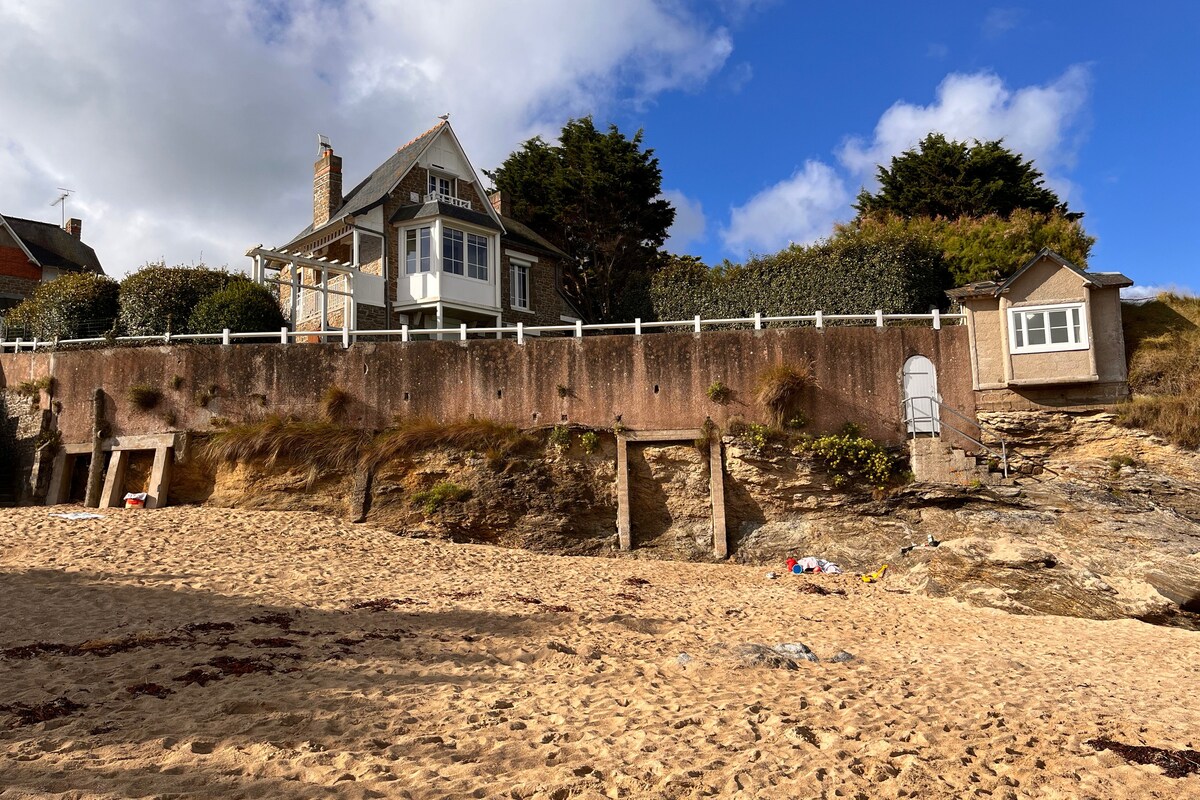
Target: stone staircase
<point x="935" y="461"/>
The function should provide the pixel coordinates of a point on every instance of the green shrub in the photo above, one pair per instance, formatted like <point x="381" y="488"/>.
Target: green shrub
<point x="560" y="437"/>
<point x="35" y="387"/>
<point x="758" y="436"/>
<point x="849" y="457"/>
<point x="439" y="494"/>
<point x="719" y="393"/>
<point x="144" y="397"/>
<point x="590" y="442"/>
<point x="76" y="305"/>
<point x="157" y="298"/>
<point x="242" y="307"/>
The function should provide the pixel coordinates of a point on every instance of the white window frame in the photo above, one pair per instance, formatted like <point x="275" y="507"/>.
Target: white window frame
<point x="423" y="263"/>
<point x="516" y="268"/>
<point x="448" y="238"/>
<point x="1018" y="330"/>
<point x="436" y="180"/>
<point x="471" y="244"/>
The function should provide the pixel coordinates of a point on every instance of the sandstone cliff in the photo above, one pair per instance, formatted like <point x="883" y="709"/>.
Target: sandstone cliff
<point x="1109" y="528"/>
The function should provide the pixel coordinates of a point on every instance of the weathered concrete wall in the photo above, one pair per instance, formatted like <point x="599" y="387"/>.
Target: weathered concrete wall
<point x="650" y="382"/>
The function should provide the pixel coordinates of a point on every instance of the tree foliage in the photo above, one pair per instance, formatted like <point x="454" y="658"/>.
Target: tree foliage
<point x="595" y="195"/>
<point x="947" y="178"/>
<point x="74" y="306"/>
<point x="242" y="306"/>
<point x="857" y="271"/>
<point x="990" y="247"/>
<point x="158" y="298"/>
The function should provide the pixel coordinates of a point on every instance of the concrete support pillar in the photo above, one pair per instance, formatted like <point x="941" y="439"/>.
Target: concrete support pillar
<point x="56" y="492"/>
<point x="160" y="477"/>
<point x="95" y="481"/>
<point x="114" y="481"/>
<point x="716" y="489"/>
<point x="624" y="532"/>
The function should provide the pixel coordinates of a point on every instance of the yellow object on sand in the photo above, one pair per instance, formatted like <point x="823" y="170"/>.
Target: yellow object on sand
<point x="874" y="576"/>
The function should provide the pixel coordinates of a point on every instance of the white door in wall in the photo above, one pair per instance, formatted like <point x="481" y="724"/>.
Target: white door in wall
<point x="920" y="391"/>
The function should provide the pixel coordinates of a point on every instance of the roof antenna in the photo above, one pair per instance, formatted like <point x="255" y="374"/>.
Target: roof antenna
<point x="323" y="144"/>
<point x="62" y="200"/>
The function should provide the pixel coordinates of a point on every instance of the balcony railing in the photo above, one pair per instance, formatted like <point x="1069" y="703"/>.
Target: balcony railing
<point x="439" y="197"/>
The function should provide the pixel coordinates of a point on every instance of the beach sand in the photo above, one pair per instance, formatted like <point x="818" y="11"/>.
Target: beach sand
<point x="464" y="686"/>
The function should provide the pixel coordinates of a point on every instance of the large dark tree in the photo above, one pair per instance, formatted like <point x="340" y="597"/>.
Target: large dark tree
<point x="952" y="179"/>
<point x="596" y="195"/>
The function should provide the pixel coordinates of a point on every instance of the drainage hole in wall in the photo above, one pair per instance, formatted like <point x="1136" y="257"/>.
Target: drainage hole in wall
<point x="535" y="416"/>
<point x="406" y="397"/>
<point x="656" y="388"/>
<point x="564" y="417"/>
<point x="499" y="393"/>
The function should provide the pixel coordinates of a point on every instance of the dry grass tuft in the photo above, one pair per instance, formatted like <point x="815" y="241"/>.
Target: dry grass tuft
<point x="320" y="444"/>
<point x="1163" y="347"/>
<point x="334" y="403"/>
<point x="780" y="387"/>
<point x="413" y="436"/>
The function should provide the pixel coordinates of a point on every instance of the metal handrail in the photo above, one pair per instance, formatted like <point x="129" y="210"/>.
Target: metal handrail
<point x="910" y="415"/>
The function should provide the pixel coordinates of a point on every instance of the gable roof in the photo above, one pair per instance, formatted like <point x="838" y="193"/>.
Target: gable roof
<point x="1099" y="280"/>
<point x="521" y="234"/>
<point x="48" y="245"/>
<point x="375" y="188"/>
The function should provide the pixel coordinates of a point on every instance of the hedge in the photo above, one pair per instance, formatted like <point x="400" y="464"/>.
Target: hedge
<point x="157" y="298"/>
<point x="74" y="306"/>
<point x="242" y="306"/>
<point x="855" y="272"/>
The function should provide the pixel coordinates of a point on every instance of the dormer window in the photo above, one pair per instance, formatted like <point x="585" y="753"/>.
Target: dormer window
<point x="441" y="185"/>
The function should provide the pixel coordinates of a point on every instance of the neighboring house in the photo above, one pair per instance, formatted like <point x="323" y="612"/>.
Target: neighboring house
<point x="417" y="242"/>
<point x="35" y="252"/>
<point x="1048" y="335"/>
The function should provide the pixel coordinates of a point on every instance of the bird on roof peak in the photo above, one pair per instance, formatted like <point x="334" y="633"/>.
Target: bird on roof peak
<point x="444" y="117"/>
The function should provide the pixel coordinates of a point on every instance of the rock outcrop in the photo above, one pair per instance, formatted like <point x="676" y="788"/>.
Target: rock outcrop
<point x="1108" y="528"/>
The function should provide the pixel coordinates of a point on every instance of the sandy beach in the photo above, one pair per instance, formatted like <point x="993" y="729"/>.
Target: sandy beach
<point x="201" y="652"/>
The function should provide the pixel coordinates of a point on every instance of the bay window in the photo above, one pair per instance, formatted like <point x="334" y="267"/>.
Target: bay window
<point x="477" y="257"/>
<point x="1044" y="329"/>
<point x="452" y="251"/>
<point x="417" y="251"/>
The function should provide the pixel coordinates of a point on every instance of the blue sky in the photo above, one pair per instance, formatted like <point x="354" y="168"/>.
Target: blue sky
<point x="188" y="129"/>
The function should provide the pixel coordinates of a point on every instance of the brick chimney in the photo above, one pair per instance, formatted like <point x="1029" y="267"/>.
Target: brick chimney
<point x="327" y="186"/>
<point x="74" y="227"/>
<point x="500" y="203"/>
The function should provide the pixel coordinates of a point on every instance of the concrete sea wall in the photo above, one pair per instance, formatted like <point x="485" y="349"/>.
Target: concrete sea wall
<point x="657" y="381"/>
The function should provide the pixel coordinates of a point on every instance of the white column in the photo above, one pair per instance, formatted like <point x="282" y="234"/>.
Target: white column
<point x="356" y="248"/>
<point x="325" y="300"/>
<point x="295" y="292"/>
<point x="441" y="317"/>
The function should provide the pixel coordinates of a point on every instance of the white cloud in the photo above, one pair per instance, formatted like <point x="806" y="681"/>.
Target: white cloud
<point x="690" y="223"/>
<point x="800" y="209"/>
<point x="189" y="128"/>
<point x="1040" y="122"/>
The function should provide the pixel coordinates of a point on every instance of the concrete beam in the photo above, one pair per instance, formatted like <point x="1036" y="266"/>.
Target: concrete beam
<point x="114" y="481"/>
<point x="683" y="435"/>
<point x="716" y="489"/>
<point x="160" y="478"/>
<point x="624" y="533"/>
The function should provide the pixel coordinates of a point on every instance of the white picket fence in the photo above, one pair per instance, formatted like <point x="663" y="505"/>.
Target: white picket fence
<point x="519" y="331"/>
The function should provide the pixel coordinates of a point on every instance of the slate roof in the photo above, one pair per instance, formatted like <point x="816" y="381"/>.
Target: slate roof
<point x="432" y="209"/>
<point x="521" y="234"/>
<point x="54" y="247"/>
<point x="374" y="188"/>
<point x="1101" y="280"/>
